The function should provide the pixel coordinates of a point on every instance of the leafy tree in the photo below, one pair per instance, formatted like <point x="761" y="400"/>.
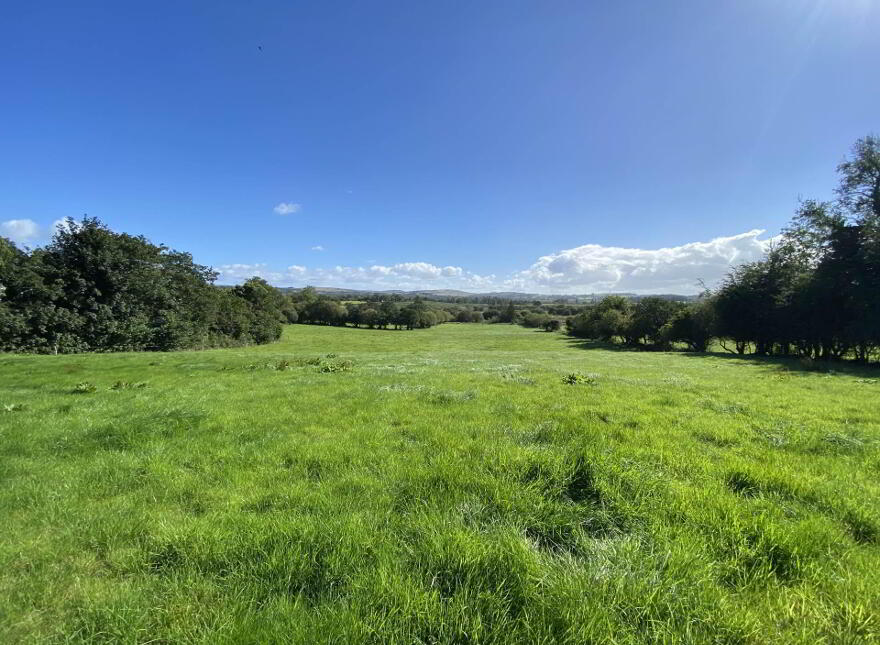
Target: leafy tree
<point x="648" y="317"/>
<point x="693" y="325"/>
<point x="266" y="304"/>
<point x="94" y="289"/>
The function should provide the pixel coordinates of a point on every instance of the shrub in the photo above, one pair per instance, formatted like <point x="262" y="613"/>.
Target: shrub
<point x="576" y="378"/>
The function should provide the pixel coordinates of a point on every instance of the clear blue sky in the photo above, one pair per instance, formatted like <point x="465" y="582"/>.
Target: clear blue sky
<point x="479" y="135"/>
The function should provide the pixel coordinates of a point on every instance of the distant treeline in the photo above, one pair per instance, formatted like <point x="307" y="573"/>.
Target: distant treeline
<point x="815" y="295"/>
<point x="92" y="289"/>
<point x="383" y="311"/>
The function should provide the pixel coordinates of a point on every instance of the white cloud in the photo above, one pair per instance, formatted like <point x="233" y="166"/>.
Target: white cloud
<point x="679" y="269"/>
<point x="287" y="208"/>
<point x="405" y="275"/>
<point x="591" y="268"/>
<point x="20" y="231"/>
<point x="318" y="248"/>
<point x="241" y="272"/>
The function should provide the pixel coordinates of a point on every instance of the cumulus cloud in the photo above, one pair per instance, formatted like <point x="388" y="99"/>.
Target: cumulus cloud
<point x="20" y="231"/>
<point x="590" y="268"/>
<point x="405" y="275"/>
<point x="233" y="273"/>
<point x="678" y="269"/>
<point x="318" y="248"/>
<point x="287" y="208"/>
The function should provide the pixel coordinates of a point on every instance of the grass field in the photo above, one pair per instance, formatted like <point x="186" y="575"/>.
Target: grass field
<point x="437" y="486"/>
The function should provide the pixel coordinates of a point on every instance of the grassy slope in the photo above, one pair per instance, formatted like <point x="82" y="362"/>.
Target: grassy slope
<point x="449" y="489"/>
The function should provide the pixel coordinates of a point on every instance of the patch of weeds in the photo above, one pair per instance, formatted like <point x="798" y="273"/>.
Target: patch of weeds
<point x="513" y="377"/>
<point x="281" y="366"/>
<point x="576" y="378"/>
<point x="331" y="355"/>
<point x="402" y="387"/>
<point x="127" y="385"/>
<point x="337" y="366"/>
<point x="14" y="407"/>
<point x="84" y="388"/>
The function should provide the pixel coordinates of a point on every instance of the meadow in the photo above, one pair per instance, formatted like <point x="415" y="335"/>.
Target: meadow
<point x="461" y="484"/>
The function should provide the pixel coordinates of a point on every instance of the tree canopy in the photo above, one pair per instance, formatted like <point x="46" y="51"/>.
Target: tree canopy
<point x="92" y="289"/>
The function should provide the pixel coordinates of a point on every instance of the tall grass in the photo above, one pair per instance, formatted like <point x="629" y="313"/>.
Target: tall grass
<point x="450" y="485"/>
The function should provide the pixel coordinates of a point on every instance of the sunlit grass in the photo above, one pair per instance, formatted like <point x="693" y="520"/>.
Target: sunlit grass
<point x="444" y="485"/>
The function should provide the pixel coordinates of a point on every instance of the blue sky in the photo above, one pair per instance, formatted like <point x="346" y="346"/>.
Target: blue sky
<point x="557" y="147"/>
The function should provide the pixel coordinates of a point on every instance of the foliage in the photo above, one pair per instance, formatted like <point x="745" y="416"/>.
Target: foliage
<point x="817" y="294"/>
<point x="576" y="378"/>
<point x="92" y="289"/>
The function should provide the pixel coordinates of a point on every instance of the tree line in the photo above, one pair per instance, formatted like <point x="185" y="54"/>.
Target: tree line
<point x="816" y="294"/>
<point x="92" y="289"/>
<point x="378" y="311"/>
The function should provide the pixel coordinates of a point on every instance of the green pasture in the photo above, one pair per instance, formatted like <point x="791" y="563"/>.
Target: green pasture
<point x="461" y="484"/>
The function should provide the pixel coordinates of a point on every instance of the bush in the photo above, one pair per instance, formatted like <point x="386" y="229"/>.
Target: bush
<point x="92" y="289"/>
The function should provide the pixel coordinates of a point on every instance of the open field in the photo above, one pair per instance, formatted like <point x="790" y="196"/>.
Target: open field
<point x="441" y="485"/>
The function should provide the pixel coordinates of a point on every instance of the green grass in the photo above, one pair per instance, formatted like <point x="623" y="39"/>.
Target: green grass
<point x="442" y="485"/>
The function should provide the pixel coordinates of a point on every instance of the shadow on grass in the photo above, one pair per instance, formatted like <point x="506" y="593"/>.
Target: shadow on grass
<point x="787" y="364"/>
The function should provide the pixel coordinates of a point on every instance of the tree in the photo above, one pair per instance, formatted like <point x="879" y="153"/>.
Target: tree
<point x="859" y="189"/>
<point x="266" y="303"/>
<point x="607" y="320"/>
<point x="91" y="288"/>
<point x="648" y="318"/>
<point x="508" y="314"/>
<point x="693" y="325"/>
<point x="389" y="313"/>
